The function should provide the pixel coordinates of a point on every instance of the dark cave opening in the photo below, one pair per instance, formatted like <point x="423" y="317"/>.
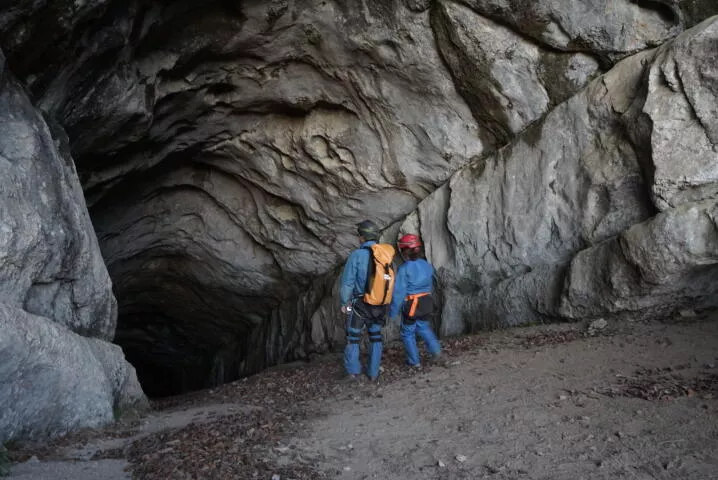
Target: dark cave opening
<point x="163" y="377"/>
<point x="193" y="304"/>
<point x="186" y="324"/>
<point x="182" y="336"/>
<point x="170" y="360"/>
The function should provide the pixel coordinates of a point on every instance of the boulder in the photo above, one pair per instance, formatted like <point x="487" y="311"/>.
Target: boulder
<point x="55" y="381"/>
<point x="50" y="262"/>
<point x="58" y="372"/>
<point x="655" y="268"/>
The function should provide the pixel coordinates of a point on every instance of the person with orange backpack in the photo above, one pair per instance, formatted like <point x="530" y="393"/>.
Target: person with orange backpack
<point x="413" y="299"/>
<point x="365" y="291"/>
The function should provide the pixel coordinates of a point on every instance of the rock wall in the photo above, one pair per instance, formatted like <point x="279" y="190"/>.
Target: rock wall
<point x="55" y="381"/>
<point x="226" y="154"/>
<point x="54" y="288"/>
<point x="605" y="207"/>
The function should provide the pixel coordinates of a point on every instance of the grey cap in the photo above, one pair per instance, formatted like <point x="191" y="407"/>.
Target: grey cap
<point x="368" y="229"/>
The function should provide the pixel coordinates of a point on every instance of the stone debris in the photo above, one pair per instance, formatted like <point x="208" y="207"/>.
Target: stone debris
<point x="596" y="326"/>
<point x="551" y="338"/>
<point x="663" y="384"/>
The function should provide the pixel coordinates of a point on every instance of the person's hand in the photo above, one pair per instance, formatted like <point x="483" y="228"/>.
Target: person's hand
<point x="344" y="309"/>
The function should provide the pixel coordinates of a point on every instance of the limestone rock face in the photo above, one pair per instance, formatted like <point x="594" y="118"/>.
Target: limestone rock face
<point x="561" y="223"/>
<point x="55" y="381"/>
<point x="54" y="288"/>
<point x="507" y="80"/>
<point x="676" y="116"/>
<point x="670" y="260"/>
<point x="606" y="28"/>
<point x="51" y="263"/>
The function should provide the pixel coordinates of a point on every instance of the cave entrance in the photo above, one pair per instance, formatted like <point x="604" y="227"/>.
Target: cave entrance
<point x="182" y="336"/>
<point x="170" y="359"/>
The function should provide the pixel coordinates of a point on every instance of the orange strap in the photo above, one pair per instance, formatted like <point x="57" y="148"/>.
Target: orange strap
<point x="414" y="298"/>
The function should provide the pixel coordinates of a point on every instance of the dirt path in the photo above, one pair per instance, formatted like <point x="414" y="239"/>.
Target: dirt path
<point x="518" y="413"/>
<point x="533" y="403"/>
<point x="77" y="458"/>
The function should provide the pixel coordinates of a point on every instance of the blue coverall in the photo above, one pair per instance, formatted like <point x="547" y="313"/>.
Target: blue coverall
<point x="352" y="285"/>
<point x="413" y="276"/>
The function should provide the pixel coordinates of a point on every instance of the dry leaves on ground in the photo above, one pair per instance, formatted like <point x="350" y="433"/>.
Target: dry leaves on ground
<point x="551" y="338"/>
<point x="251" y="444"/>
<point x="664" y="384"/>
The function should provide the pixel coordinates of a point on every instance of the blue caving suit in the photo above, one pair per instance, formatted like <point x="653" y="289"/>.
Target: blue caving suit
<point x="414" y="276"/>
<point x="352" y="285"/>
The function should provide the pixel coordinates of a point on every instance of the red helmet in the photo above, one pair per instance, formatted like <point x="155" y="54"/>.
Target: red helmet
<point x="409" y="241"/>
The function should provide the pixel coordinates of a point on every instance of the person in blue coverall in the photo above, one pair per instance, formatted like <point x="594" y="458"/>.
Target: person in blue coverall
<point x="360" y="314"/>
<point x="412" y="298"/>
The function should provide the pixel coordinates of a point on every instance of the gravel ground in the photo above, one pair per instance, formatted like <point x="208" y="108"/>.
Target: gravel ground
<point x="625" y="400"/>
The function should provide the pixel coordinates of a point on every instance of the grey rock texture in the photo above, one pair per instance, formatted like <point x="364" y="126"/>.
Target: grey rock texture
<point x="656" y="267"/>
<point x="608" y="29"/>
<point x="570" y="181"/>
<point x="695" y="11"/>
<point x="55" y="381"/>
<point x="507" y="80"/>
<point x="54" y="288"/>
<point x="51" y="263"/>
<point x="561" y="224"/>
<point x="676" y="117"/>
<point x="40" y="32"/>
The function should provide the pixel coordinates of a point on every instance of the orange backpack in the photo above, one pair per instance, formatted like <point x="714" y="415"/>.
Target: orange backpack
<point x="380" y="275"/>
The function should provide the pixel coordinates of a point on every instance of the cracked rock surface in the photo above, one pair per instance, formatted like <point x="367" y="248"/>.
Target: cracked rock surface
<point x="58" y="370"/>
<point x="607" y="206"/>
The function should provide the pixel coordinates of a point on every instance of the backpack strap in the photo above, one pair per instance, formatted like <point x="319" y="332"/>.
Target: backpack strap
<point x="414" y="299"/>
<point x="386" y="282"/>
<point x="369" y="269"/>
